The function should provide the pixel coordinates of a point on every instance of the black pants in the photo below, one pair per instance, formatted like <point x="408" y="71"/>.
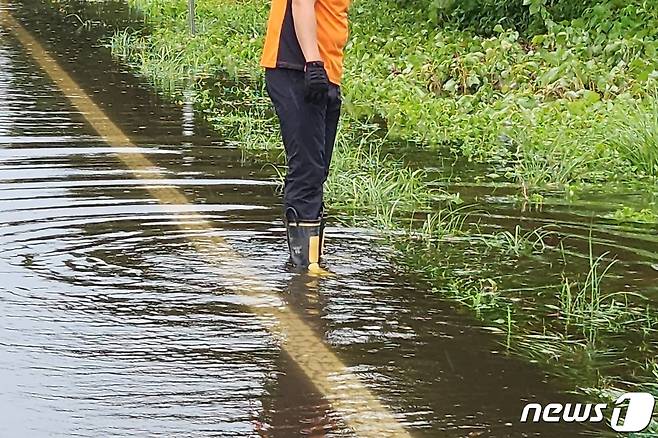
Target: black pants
<point x="309" y="133"/>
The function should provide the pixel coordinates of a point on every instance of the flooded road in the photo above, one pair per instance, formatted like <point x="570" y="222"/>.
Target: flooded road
<point x="114" y="321"/>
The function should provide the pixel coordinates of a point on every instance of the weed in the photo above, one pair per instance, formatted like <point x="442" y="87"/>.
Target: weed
<point x="589" y="308"/>
<point x="519" y="243"/>
<point x="634" y="134"/>
<point x="629" y="214"/>
<point x="371" y="185"/>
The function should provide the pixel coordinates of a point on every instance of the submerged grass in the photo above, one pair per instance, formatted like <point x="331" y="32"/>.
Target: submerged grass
<point x="588" y="308"/>
<point x="601" y="339"/>
<point x="519" y="243"/>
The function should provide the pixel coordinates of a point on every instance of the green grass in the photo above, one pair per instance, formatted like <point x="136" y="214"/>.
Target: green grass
<point x="634" y="134"/>
<point x="371" y="185"/>
<point x="519" y="243"/>
<point x="441" y="224"/>
<point x="544" y="104"/>
<point x="586" y="306"/>
<point x="478" y="295"/>
<point x="629" y="214"/>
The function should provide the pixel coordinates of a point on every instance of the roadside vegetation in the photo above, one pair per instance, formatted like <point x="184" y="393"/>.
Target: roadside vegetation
<point x="549" y="95"/>
<point x="534" y="91"/>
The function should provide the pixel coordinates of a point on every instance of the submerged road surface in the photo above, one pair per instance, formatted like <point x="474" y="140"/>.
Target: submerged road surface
<point x="144" y="292"/>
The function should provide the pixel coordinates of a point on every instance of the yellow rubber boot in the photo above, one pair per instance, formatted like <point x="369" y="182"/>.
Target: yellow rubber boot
<point x="304" y="241"/>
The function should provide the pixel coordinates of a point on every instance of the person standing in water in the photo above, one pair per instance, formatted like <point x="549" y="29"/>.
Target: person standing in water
<point x="303" y="61"/>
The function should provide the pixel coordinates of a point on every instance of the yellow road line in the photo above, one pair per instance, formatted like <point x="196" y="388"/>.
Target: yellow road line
<point x="359" y="407"/>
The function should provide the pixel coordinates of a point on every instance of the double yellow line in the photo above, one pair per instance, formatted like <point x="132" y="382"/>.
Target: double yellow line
<point x="359" y="408"/>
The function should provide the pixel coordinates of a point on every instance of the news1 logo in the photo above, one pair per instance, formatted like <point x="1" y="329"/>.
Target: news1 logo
<point x="637" y="418"/>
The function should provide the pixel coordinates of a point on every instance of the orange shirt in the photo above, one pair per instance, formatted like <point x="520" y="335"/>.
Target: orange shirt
<point x="282" y="48"/>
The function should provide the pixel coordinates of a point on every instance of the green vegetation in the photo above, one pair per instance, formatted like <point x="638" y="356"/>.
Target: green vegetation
<point x="587" y="307"/>
<point x="372" y="185"/>
<point x="629" y="214"/>
<point x="520" y="243"/>
<point x="635" y="136"/>
<point x="579" y="327"/>
<point x="544" y="102"/>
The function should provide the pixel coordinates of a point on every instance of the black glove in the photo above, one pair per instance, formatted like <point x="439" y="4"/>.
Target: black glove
<point x="316" y="83"/>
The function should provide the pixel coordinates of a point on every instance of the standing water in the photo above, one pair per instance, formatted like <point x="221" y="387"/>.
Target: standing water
<point x="113" y="324"/>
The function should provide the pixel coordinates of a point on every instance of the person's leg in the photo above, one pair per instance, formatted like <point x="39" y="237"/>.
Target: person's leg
<point x="303" y="131"/>
<point x="331" y="125"/>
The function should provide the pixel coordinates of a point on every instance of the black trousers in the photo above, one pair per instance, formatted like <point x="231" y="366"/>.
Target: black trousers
<point x="309" y="133"/>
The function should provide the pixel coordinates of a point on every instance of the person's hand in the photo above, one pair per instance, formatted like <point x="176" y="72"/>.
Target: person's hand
<point x="316" y="83"/>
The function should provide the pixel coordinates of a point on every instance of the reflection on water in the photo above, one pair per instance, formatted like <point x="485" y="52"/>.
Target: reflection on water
<point x="188" y="114"/>
<point x="112" y="324"/>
